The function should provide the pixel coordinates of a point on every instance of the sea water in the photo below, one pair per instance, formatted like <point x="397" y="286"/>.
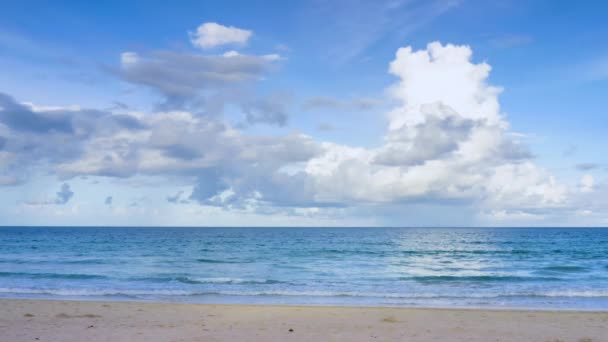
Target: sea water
<point x="430" y="267"/>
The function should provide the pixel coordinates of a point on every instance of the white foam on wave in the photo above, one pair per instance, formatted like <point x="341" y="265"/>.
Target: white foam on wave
<point x="175" y="292"/>
<point x="590" y="294"/>
<point x="223" y="280"/>
<point x="94" y="292"/>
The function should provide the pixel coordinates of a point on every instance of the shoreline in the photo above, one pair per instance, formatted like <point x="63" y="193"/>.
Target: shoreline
<point x="315" y="305"/>
<point x="70" y="320"/>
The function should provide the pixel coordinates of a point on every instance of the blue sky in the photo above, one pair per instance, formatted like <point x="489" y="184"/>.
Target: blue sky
<point x="303" y="113"/>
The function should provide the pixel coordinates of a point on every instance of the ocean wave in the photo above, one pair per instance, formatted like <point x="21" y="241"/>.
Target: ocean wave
<point x="334" y="251"/>
<point x="83" y="261"/>
<point x="143" y="293"/>
<point x="210" y="280"/>
<point x="572" y="293"/>
<point x="565" y="268"/>
<point x="89" y="261"/>
<point x="477" y="278"/>
<point x="75" y="292"/>
<point x="216" y="261"/>
<point x="467" y="252"/>
<point x="194" y="280"/>
<point x="50" y="275"/>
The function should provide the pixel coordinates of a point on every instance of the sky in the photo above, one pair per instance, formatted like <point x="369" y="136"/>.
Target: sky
<point x="304" y="113"/>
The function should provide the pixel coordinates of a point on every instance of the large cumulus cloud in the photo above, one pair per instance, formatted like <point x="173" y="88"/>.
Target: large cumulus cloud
<point x="447" y="140"/>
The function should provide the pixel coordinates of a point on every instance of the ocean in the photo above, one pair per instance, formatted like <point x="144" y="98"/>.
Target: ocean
<point x="540" y="268"/>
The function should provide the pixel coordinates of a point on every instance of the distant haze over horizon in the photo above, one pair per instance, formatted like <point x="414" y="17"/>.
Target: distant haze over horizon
<point x="311" y="227"/>
<point x="442" y="113"/>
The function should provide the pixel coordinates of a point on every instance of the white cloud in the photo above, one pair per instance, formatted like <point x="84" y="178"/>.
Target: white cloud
<point x="272" y="57"/>
<point x="194" y="78"/>
<point x="509" y="216"/>
<point x="231" y="53"/>
<point x="446" y="142"/>
<point x="584" y="212"/>
<point x="586" y="183"/>
<point x="128" y="58"/>
<point x="445" y="74"/>
<point x="210" y="35"/>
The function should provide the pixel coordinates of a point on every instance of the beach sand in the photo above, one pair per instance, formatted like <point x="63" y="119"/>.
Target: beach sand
<point x="50" y="320"/>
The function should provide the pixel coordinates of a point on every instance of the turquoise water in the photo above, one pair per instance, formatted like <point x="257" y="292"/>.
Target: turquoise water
<point x="529" y="268"/>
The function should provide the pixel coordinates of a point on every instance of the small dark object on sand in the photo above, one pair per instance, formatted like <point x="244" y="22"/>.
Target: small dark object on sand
<point x="290" y="330"/>
<point x="90" y="326"/>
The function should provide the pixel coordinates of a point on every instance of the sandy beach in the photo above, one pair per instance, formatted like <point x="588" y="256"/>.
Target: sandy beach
<point x="51" y="320"/>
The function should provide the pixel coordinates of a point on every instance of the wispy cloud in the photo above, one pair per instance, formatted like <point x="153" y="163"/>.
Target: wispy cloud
<point x="62" y="197"/>
<point x="325" y="127"/>
<point x="511" y="40"/>
<point x="595" y="69"/>
<point x="357" y="25"/>
<point x="333" y="103"/>
<point x="587" y="166"/>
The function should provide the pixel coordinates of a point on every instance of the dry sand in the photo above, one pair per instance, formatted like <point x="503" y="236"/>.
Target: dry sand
<point x="48" y="320"/>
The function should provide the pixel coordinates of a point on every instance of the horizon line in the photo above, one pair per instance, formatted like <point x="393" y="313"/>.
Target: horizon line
<point x="315" y="227"/>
